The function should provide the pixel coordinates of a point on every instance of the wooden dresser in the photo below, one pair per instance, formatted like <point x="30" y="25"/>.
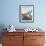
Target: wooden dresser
<point x="23" y="39"/>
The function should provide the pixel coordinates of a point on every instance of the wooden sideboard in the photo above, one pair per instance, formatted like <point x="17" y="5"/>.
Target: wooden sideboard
<point x="23" y="38"/>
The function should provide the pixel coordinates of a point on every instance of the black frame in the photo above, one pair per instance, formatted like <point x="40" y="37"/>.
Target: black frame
<point x="20" y="16"/>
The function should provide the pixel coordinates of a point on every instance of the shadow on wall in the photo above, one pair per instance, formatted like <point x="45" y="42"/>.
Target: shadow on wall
<point x="2" y="26"/>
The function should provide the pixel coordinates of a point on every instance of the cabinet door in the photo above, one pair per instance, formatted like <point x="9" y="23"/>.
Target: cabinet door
<point x="13" y="40"/>
<point x="27" y="40"/>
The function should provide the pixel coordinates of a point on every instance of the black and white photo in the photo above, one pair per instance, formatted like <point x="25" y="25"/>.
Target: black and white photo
<point x="26" y="13"/>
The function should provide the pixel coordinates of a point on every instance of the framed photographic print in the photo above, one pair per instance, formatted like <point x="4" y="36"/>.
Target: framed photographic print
<point x="26" y="13"/>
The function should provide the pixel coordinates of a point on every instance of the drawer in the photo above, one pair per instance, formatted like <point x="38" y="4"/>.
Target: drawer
<point x="18" y="44"/>
<point x="34" y="33"/>
<point x="13" y="33"/>
<point x="12" y="44"/>
<point x="37" y="39"/>
<point x="12" y="39"/>
<point x="37" y="44"/>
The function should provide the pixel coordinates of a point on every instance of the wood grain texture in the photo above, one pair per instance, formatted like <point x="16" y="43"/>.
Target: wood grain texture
<point x="34" y="39"/>
<point x="23" y="39"/>
<point x="13" y="39"/>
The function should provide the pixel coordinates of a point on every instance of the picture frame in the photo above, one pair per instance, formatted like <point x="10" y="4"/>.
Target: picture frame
<point x="26" y="13"/>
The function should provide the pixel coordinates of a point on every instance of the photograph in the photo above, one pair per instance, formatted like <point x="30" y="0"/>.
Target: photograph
<point x="26" y="13"/>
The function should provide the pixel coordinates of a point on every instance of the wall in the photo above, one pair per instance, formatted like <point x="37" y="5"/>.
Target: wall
<point x="9" y="13"/>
